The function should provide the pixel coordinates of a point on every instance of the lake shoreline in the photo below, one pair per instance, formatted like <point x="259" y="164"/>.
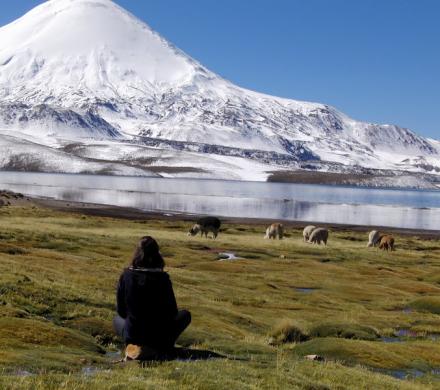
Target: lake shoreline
<point x="130" y="213"/>
<point x="327" y="205"/>
<point x="352" y="180"/>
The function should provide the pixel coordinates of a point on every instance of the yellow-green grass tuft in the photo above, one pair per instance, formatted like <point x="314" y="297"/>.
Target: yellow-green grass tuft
<point x="287" y="331"/>
<point x="427" y="304"/>
<point x="344" y="330"/>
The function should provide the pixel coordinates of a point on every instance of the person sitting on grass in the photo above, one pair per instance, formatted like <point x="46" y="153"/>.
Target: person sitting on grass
<point x="147" y="314"/>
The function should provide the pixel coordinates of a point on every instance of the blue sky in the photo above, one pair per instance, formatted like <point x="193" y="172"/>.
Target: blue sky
<point x="376" y="60"/>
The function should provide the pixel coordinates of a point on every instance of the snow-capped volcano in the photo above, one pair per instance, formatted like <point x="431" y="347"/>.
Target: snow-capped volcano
<point x="89" y="45"/>
<point x="88" y="73"/>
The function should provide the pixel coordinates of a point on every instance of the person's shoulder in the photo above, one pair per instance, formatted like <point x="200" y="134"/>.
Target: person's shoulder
<point x="148" y="272"/>
<point x="162" y="277"/>
<point x="125" y="272"/>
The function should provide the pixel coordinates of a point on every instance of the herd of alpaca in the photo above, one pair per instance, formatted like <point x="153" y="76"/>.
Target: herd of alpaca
<point x="315" y="235"/>
<point x="311" y="234"/>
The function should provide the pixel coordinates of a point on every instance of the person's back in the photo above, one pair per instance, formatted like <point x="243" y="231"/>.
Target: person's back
<point x="146" y="305"/>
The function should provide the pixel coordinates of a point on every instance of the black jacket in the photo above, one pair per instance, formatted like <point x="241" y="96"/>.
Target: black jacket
<point x="146" y="300"/>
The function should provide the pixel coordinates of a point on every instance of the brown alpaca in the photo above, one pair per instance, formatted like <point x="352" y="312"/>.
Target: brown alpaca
<point x="386" y="243"/>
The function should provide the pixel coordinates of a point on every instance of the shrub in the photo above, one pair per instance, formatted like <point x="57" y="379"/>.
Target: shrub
<point x="287" y="332"/>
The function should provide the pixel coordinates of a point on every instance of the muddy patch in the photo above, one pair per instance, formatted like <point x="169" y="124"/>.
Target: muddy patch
<point x="408" y="333"/>
<point x="391" y="339"/>
<point x="404" y="334"/>
<point x="92" y="370"/>
<point x="409" y="373"/>
<point x="113" y="355"/>
<point x="23" y="373"/>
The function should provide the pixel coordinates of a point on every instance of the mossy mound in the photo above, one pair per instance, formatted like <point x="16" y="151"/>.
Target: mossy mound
<point x="370" y="354"/>
<point x="287" y="331"/>
<point x="345" y="331"/>
<point x="100" y="329"/>
<point x="426" y="304"/>
<point x="20" y="331"/>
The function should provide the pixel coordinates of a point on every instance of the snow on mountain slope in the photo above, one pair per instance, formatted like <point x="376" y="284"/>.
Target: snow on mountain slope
<point x="18" y="154"/>
<point x="172" y="163"/>
<point x="44" y="120"/>
<point x="88" y="69"/>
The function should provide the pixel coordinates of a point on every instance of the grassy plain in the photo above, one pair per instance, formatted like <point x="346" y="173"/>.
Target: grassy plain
<point x="370" y="314"/>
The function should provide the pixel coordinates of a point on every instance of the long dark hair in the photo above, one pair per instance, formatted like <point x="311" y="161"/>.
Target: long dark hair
<point x="147" y="255"/>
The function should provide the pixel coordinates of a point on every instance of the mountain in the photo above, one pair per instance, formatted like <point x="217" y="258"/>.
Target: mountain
<point x="86" y="79"/>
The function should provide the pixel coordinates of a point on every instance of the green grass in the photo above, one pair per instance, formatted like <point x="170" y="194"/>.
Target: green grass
<point x="344" y="330"/>
<point x="429" y="304"/>
<point x="58" y="273"/>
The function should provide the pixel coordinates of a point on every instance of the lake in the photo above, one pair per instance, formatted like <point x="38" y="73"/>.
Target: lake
<point x="416" y="209"/>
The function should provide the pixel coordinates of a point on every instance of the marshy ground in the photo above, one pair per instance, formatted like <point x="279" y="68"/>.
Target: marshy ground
<point x="373" y="316"/>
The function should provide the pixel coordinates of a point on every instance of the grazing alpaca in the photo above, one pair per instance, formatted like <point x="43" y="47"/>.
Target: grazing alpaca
<point x="205" y="225"/>
<point x="307" y="232"/>
<point x="373" y="238"/>
<point x="387" y="243"/>
<point x="275" y="230"/>
<point x="318" y="235"/>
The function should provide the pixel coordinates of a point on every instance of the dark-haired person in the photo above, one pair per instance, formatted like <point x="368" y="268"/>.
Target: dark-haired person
<point x="146" y="305"/>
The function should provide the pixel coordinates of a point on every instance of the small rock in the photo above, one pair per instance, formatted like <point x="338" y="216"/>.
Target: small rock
<point x="282" y="256"/>
<point x="314" y="358"/>
<point x="23" y="373"/>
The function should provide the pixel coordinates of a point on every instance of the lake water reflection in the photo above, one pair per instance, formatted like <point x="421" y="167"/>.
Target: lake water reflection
<point x="277" y="201"/>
